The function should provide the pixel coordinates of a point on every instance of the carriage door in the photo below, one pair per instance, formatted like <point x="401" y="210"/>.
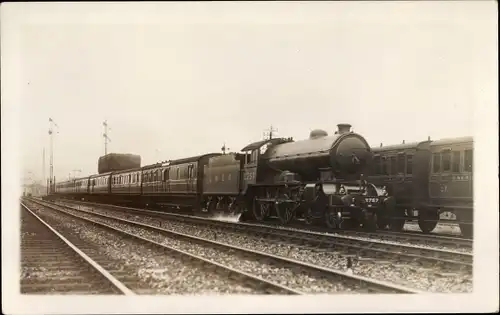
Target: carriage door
<point x="190" y="179"/>
<point x="447" y="183"/>
<point x="250" y="169"/>
<point x="468" y="173"/>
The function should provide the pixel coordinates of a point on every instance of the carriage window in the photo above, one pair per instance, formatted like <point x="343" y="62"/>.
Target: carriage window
<point x="384" y="164"/>
<point x="468" y="161"/>
<point x="376" y="165"/>
<point x="436" y="162"/>
<point x="409" y="164"/>
<point x="229" y="176"/>
<point x="446" y="160"/>
<point x="394" y="165"/>
<point x="456" y="162"/>
<point x="178" y="172"/>
<point x="401" y="163"/>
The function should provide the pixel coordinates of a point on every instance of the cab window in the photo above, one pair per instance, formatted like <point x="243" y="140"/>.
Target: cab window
<point x="394" y="165"/>
<point x="455" y="166"/>
<point x="376" y="165"/>
<point x="446" y="160"/>
<point x="401" y="163"/>
<point x="409" y="164"/>
<point x="468" y="161"/>
<point x="436" y="163"/>
<point x="385" y="162"/>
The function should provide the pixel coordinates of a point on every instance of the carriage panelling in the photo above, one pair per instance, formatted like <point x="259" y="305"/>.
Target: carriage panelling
<point x="100" y="184"/>
<point x="81" y="186"/>
<point x="403" y="170"/>
<point x="66" y="187"/>
<point x="451" y="172"/>
<point x="179" y="177"/>
<point x="128" y="182"/>
<point x="173" y="179"/>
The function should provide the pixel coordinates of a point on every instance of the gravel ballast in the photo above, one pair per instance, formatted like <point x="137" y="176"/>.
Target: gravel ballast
<point x="157" y="272"/>
<point x="343" y="235"/>
<point x="298" y="279"/>
<point x="407" y="275"/>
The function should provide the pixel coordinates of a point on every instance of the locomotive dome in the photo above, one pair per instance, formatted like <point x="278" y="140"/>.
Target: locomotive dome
<point x="317" y="133"/>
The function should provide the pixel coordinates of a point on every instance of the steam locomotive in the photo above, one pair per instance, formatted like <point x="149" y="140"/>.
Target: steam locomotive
<point x="317" y="180"/>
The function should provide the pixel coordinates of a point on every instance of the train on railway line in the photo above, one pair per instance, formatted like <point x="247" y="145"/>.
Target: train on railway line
<point x="337" y="181"/>
<point x="427" y="178"/>
<point x="319" y="180"/>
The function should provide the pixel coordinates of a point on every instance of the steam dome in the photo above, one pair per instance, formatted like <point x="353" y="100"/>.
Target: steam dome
<point x="317" y="133"/>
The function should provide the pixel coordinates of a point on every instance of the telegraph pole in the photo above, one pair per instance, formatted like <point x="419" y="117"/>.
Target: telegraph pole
<point x="105" y="135"/>
<point x="43" y="167"/>
<point x="51" y="134"/>
<point x="268" y="135"/>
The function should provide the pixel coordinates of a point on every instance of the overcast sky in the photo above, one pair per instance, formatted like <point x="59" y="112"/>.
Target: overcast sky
<point x="176" y="80"/>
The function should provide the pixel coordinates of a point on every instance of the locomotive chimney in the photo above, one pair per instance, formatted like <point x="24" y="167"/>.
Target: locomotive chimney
<point x="344" y="128"/>
<point x="403" y="142"/>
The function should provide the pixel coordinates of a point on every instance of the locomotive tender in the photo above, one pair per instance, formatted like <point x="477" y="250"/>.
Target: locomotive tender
<point x="427" y="178"/>
<point x="319" y="179"/>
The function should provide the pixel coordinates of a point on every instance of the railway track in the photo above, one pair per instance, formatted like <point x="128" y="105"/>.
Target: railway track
<point x="451" y="242"/>
<point x="51" y="264"/>
<point x="227" y="274"/>
<point x="368" y="246"/>
<point x="303" y="277"/>
<point x="407" y="237"/>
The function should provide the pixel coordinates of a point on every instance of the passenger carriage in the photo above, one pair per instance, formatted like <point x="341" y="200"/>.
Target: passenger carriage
<point x="427" y="178"/>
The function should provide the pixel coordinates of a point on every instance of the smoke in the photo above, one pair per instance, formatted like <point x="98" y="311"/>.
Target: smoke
<point x="226" y="217"/>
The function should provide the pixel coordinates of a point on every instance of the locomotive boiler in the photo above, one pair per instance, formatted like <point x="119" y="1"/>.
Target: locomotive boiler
<point x="343" y="155"/>
<point x="320" y="178"/>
